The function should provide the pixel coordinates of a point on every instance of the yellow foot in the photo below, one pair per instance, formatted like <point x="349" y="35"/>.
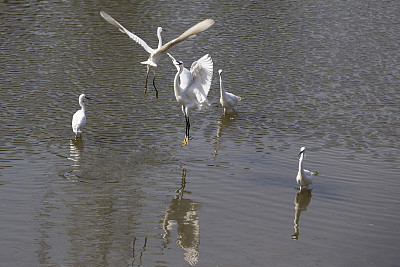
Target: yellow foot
<point x="145" y="90"/>
<point x="185" y="141"/>
<point x="156" y="95"/>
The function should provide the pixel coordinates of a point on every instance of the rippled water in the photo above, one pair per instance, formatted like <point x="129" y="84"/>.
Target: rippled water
<point x="320" y="74"/>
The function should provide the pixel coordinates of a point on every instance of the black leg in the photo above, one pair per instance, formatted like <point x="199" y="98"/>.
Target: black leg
<point x="186" y="126"/>
<point x="188" y="131"/>
<point x="155" y="85"/>
<point x="186" y="140"/>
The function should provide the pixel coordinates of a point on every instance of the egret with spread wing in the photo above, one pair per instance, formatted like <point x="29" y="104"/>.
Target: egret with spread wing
<point x="191" y="87"/>
<point x="228" y="100"/>
<point x="155" y="54"/>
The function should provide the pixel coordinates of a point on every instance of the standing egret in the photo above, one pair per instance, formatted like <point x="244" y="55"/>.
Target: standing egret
<point x="191" y="87"/>
<point x="155" y="54"/>
<point x="79" y="118"/>
<point x="304" y="177"/>
<point x="228" y="101"/>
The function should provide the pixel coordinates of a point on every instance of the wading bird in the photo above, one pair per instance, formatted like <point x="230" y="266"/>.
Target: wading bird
<point x="191" y="87"/>
<point x="228" y="101"/>
<point x="304" y="177"/>
<point x="79" y="118"/>
<point x="155" y="54"/>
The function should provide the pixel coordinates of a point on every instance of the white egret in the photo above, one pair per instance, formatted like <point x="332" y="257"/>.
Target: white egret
<point x="304" y="177"/>
<point x="79" y="118"/>
<point x="191" y="87"/>
<point x="155" y="54"/>
<point x="228" y="100"/>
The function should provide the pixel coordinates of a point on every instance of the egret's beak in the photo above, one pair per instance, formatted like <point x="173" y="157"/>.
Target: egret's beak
<point x="172" y="58"/>
<point x="301" y="152"/>
<point x="88" y="98"/>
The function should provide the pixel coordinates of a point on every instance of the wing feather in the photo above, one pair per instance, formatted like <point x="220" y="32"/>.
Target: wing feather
<point x="199" y="27"/>
<point x="122" y="29"/>
<point x="202" y="72"/>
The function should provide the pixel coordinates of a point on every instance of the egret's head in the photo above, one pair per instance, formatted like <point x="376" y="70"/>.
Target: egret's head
<point x="302" y="150"/>
<point x="220" y="71"/>
<point x="82" y="97"/>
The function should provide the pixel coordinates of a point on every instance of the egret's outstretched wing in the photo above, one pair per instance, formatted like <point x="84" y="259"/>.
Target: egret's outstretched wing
<point x="122" y="29"/>
<point x="202" y="72"/>
<point x="199" y="27"/>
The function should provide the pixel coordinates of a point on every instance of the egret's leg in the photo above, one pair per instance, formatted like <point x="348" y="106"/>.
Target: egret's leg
<point x="186" y="140"/>
<point x="188" y="132"/>
<point x="147" y="77"/>
<point x="154" y="77"/>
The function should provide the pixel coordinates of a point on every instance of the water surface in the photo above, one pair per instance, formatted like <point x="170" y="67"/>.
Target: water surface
<point x="320" y="74"/>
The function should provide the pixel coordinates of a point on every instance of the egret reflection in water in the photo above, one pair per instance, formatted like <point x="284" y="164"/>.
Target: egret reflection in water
<point x="75" y="153"/>
<point x="182" y="212"/>
<point x="301" y="202"/>
<point x="224" y="122"/>
<point x="141" y="251"/>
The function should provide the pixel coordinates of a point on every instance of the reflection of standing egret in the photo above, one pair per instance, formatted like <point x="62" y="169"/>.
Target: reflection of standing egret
<point x="75" y="153"/>
<point x="224" y="121"/>
<point x="183" y="213"/>
<point x="301" y="202"/>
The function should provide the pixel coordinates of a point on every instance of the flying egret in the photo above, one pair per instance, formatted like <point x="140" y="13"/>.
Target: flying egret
<point x="191" y="87"/>
<point x="79" y="118"/>
<point x="228" y="101"/>
<point x="155" y="54"/>
<point x="304" y="177"/>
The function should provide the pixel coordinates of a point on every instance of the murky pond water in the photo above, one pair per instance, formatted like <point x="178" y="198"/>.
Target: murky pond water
<point x="319" y="74"/>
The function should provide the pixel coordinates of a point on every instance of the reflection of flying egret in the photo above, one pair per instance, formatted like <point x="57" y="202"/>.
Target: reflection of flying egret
<point x="227" y="100"/>
<point x="191" y="87"/>
<point x="301" y="202"/>
<point x="155" y="54"/>
<point x="304" y="177"/>
<point x="79" y="118"/>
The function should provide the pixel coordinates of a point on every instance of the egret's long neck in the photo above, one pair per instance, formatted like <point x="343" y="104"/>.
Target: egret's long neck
<point x="221" y="87"/>
<point x="177" y="87"/>
<point x="82" y="104"/>
<point x="159" y="39"/>
<point x="301" y="162"/>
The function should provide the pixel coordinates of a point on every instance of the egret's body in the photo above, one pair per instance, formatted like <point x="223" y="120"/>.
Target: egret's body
<point x="79" y="118"/>
<point x="304" y="177"/>
<point x="191" y="87"/>
<point x="228" y="100"/>
<point x="155" y="54"/>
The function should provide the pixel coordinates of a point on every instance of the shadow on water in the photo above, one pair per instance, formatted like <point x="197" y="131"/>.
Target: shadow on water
<point x="182" y="212"/>
<point x="301" y="202"/>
